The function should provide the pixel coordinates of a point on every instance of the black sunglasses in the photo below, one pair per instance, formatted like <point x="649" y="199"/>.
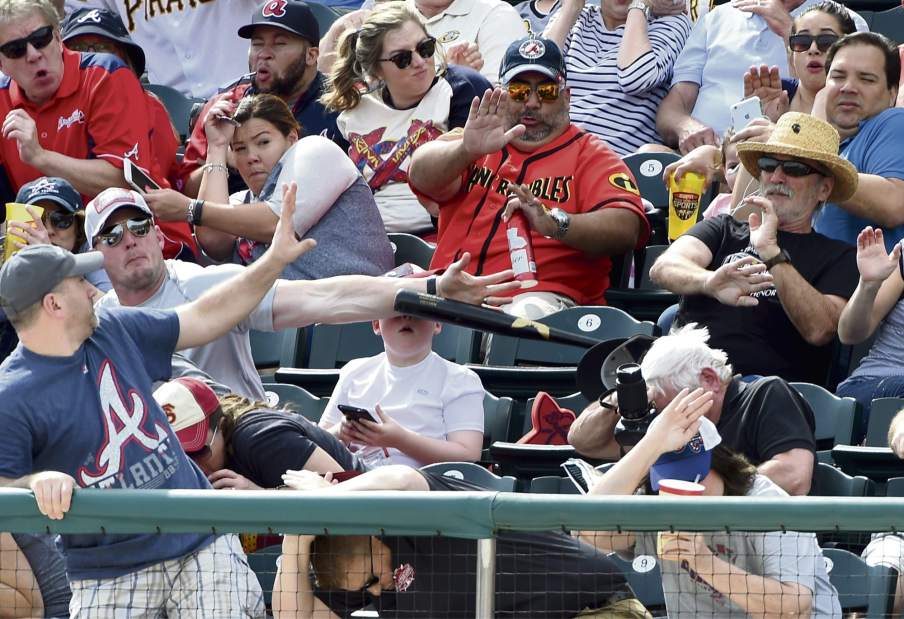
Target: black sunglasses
<point x="139" y="227"/>
<point x="794" y="169"/>
<point x="802" y="42"/>
<point x="425" y="49"/>
<point x="60" y="220"/>
<point x="39" y="39"/>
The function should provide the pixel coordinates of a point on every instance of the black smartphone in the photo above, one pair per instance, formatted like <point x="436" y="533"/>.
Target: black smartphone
<point x="353" y="413"/>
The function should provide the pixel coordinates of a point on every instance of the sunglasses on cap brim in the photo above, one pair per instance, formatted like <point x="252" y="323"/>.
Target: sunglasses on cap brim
<point x="425" y="49"/>
<point x="39" y="39"/>
<point x="138" y="227"/>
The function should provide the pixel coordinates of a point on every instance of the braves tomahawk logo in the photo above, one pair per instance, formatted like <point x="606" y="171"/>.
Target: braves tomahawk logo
<point x="123" y="423"/>
<point x="92" y="15"/>
<point x="275" y="8"/>
<point x="389" y="158"/>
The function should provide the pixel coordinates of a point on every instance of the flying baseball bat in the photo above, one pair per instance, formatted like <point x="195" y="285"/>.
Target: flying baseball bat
<point x="432" y="307"/>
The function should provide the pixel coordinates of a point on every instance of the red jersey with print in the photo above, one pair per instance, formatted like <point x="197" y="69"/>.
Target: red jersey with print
<point x="98" y="112"/>
<point x="577" y="173"/>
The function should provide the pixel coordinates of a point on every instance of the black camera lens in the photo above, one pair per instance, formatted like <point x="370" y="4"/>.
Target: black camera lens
<point x="632" y="391"/>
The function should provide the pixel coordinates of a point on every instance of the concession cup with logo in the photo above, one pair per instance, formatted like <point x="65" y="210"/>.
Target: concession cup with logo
<point x="684" y="202"/>
<point x="16" y="212"/>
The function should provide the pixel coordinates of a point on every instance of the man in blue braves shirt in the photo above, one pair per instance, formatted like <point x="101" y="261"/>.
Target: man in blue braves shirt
<point x="78" y="411"/>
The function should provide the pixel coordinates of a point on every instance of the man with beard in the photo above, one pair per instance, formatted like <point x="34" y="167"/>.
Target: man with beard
<point x="771" y="290"/>
<point x="282" y="59"/>
<point x="519" y="151"/>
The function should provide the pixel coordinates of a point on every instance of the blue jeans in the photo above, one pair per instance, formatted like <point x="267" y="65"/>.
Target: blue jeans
<point x="865" y="389"/>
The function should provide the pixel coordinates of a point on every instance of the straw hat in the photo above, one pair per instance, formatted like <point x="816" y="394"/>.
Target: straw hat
<point x="804" y="137"/>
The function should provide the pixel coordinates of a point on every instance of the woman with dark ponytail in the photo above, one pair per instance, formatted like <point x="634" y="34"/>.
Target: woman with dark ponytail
<point x="394" y="93"/>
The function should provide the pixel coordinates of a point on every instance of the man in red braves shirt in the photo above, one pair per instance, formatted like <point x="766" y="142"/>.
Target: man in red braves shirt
<point x="65" y="114"/>
<point x="519" y="150"/>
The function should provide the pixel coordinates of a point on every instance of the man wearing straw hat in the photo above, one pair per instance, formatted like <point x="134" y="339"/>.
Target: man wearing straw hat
<point x="771" y="290"/>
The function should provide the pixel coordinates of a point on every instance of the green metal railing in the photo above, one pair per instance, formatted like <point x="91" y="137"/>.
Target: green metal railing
<point x="470" y="515"/>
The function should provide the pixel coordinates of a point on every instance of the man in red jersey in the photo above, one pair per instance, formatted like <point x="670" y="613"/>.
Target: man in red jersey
<point x="64" y="114"/>
<point x="519" y="150"/>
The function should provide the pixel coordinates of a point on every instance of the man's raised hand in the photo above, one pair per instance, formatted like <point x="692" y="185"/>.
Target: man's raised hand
<point x="485" y="130"/>
<point x="732" y="283"/>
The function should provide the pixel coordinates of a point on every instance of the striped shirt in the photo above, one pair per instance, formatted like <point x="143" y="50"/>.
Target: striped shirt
<point x="619" y="105"/>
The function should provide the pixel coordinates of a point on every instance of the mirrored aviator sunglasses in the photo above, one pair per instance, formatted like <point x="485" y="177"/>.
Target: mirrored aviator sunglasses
<point x="802" y="42"/>
<point x="60" y="220"/>
<point x="520" y="91"/>
<point x="138" y="227"/>
<point x="425" y="49"/>
<point x="39" y="39"/>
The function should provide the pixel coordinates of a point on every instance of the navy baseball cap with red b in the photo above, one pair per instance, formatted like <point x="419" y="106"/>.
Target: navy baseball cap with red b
<point x="532" y="54"/>
<point x="291" y="15"/>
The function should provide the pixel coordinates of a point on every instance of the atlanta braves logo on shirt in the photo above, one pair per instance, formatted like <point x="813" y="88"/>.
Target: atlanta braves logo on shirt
<point x="275" y="8"/>
<point x="123" y="423"/>
<point x="76" y="117"/>
<point x="531" y="49"/>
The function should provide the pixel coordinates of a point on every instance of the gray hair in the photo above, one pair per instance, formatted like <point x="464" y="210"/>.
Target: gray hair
<point x="676" y="360"/>
<point x="12" y="10"/>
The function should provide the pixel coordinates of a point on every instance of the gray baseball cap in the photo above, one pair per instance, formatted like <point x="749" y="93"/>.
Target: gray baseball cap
<point x="36" y="270"/>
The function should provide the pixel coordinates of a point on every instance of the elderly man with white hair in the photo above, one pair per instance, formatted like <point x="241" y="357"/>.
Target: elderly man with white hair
<point x="766" y="419"/>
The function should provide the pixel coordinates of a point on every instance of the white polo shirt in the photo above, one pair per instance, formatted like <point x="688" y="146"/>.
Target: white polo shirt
<point x="492" y="24"/>
<point x="722" y="45"/>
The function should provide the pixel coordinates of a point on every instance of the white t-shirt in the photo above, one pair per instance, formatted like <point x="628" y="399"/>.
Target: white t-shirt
<point x="432" y="398"/>
<point x="227" y="359"/>
<point x="492" y="24"/>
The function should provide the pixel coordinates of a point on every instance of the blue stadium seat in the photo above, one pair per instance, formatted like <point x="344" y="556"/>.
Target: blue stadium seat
<point x="294" y="398"/>
<point x="410" y="248"/>
<point x="861" y="588"/>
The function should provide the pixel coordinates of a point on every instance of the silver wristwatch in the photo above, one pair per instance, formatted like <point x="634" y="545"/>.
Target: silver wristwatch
<point x="563" y="220"/>
<point x="643" y="6"/>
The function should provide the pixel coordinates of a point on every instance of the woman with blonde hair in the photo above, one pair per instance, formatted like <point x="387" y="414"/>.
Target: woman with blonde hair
<point x="394" y="94"/>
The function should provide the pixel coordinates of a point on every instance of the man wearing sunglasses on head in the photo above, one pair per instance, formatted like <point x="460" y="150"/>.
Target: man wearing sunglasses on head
<point x="77" y="411"/>
<point x="771" y="289"/>
<point x="519" y="151"/>
<point x="65" y="114"/>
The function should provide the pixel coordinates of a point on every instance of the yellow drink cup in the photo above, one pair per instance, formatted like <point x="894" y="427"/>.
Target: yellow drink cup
<point x="684" y="202"/>
<point x="16" y="212"/>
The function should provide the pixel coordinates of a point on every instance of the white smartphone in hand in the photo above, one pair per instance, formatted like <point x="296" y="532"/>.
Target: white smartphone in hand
<point x="744" y="111"/>
<point x="136" y="177"/>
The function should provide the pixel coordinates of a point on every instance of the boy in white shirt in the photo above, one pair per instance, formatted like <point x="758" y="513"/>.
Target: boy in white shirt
<point x="430" y="409"/>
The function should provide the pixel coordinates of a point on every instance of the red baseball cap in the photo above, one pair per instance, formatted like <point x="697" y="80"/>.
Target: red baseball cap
<point x="188" y="404"/>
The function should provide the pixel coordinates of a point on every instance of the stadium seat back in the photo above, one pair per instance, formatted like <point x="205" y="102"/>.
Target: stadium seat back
<point x="595" y="321"/>
<point x="863" y="588"/>
<point x="411" y="248"/>
<point x="332" y="346"/>
<point x="497" y="415"/>
<point x="829" y="481"/>
<point x="836" y="418"/>
<point x="552" y="484"/>
<point x="474" y="473"/>
<point x="647" y="585"/>
<point x="890" y="23"/>
<point x="177" y="105"/>
<point x="882" y="411"/>
<point x="296" y="399"/>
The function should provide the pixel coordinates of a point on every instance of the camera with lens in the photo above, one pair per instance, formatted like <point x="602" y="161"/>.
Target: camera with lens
<point x="635" y="409"/>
